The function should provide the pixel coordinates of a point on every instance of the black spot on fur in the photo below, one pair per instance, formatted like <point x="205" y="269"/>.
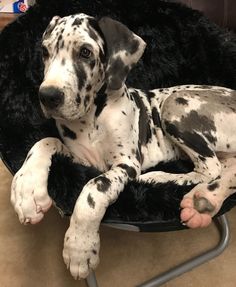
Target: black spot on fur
<point x="202" y="158"/>
<point x="201" y="123"/>
<point x="139" y="155"/>
<point x="77" y="22"/>
<point x="49" y="30"/>
<point x="91" y="201"/>
<point x="28" y="156"/>
<point x="130" y="170"/>
<point x="100" y="101"/>
<point x="68" y="133"/>
<point x="156" y="117"/>
<point x="92" y="64"/>
<point x="144" y="120"/>
<point x="92" y="34"/>
<point x="86" y="100"/>
<point x="213" y="186"/>
<point x="102" y="56"/>
<point x="62" y="44"/>
<point x="88" y="88"/>
<point x="149" y="95"/>
<point x="117" y="73"/>
<point x="79" y="70"/>
<point x="103" y="183"/>
<point x="193" y="140"/>
<point x="78" y="99"/>
<point x="181" y="101"/>
<point x="58" y="44"/>
<point x="133" y="47"/>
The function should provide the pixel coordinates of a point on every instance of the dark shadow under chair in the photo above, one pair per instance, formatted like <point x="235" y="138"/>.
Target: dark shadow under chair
<point x="182" y="48"/>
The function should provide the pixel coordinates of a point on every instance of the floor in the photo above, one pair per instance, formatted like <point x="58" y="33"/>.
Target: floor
<point x="32" y="255"/>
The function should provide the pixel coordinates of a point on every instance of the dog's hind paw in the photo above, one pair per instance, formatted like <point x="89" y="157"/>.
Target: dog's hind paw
<point x="192" y="217"/>
<point x="199" y="206"/>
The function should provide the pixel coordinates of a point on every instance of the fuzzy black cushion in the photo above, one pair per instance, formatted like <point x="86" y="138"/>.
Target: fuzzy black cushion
<point x="182" y="47"/>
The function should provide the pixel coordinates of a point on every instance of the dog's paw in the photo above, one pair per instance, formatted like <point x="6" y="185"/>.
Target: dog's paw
<point x="199" y="206"/>
<point x="81" y="252"/>
<point x="29" y="192"/>
<point x="191" y="217"/>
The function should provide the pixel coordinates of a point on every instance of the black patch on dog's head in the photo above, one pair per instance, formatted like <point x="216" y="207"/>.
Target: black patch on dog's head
<point x="117" y="71"/>
<point x="51" y="27"/>
<point x="119" y="40"/>
<point x="79" y="70"/>
<point x="77" y="22"/>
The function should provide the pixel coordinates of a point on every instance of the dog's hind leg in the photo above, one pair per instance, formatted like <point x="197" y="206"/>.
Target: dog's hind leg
<point x="206" y="199"/>
<point x="207" y="169"/>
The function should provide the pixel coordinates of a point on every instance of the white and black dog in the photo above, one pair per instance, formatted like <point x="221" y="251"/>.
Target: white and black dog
<point x="122" y="132"/>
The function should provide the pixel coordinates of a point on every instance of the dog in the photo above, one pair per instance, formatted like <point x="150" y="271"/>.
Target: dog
<point x="122" y="132"/>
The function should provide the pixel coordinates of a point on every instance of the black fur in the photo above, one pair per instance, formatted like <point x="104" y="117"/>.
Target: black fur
<point x="68" y="133"/>
<point x="182" y="47"/>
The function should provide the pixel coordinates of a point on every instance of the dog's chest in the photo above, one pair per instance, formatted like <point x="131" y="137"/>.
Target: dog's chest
<point x="85" y="142"/>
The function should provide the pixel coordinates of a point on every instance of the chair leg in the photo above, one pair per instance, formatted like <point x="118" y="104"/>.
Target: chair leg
<point x="91" y="280"/>
<point x="196" y="261"/>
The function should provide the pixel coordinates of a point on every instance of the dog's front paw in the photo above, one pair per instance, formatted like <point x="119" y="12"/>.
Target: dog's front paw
<point x="29" y="192"/>
<point x="81" y="251"/>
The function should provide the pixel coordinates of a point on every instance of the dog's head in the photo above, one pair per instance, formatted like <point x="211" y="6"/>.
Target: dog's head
<point x="81" y="55"/>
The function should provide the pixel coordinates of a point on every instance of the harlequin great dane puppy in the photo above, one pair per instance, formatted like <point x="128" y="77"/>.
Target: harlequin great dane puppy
<point x="122" y="132"/>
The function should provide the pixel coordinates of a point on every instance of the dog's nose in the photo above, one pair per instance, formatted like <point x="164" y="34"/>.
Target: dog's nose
<point x="51" y="97"/>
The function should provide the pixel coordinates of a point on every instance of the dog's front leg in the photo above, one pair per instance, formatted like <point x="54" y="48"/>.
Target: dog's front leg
<point x="29" y="194"/>
<point x="82" y="243"/>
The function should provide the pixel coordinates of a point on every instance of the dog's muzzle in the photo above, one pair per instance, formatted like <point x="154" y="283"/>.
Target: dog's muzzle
<point x="51" y="97"/>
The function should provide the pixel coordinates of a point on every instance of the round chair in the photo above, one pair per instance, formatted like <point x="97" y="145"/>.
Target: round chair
<point x="179" y="51"/>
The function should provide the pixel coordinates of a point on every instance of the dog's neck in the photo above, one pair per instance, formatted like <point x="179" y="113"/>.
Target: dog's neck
<point x="105" y="98"/>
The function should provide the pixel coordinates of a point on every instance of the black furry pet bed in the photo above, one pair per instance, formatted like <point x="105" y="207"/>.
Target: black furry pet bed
<point x="182" y="47"/>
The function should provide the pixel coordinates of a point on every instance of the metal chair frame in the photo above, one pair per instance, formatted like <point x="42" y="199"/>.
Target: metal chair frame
<point x="224" y="231"/>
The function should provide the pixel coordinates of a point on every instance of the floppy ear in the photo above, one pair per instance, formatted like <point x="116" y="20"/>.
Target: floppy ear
<point x="124" y="49"/>
<point x="51" y="26"/>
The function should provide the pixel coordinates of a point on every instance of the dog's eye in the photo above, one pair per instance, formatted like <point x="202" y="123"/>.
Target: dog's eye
<point x="45" y="52"/>
<point x="85" y="53"/>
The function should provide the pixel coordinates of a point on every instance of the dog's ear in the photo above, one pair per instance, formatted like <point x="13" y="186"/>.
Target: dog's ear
<point x="51" y="26"/>
<point x="124" y="49"/>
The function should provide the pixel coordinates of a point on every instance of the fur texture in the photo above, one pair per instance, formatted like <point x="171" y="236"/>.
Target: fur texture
<point x="183" y="47"/>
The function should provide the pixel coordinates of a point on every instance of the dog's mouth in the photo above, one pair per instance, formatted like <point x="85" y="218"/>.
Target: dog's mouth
<point x="56" y="115"/>
<point x="51" y="113"/>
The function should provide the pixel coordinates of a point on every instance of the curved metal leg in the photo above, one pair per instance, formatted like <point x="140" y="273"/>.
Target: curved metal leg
<point x="196" y="261"/>
<point x="91" y="280"/>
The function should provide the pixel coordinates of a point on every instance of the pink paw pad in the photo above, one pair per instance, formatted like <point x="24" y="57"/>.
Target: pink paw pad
<point x="191" y="216"/>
